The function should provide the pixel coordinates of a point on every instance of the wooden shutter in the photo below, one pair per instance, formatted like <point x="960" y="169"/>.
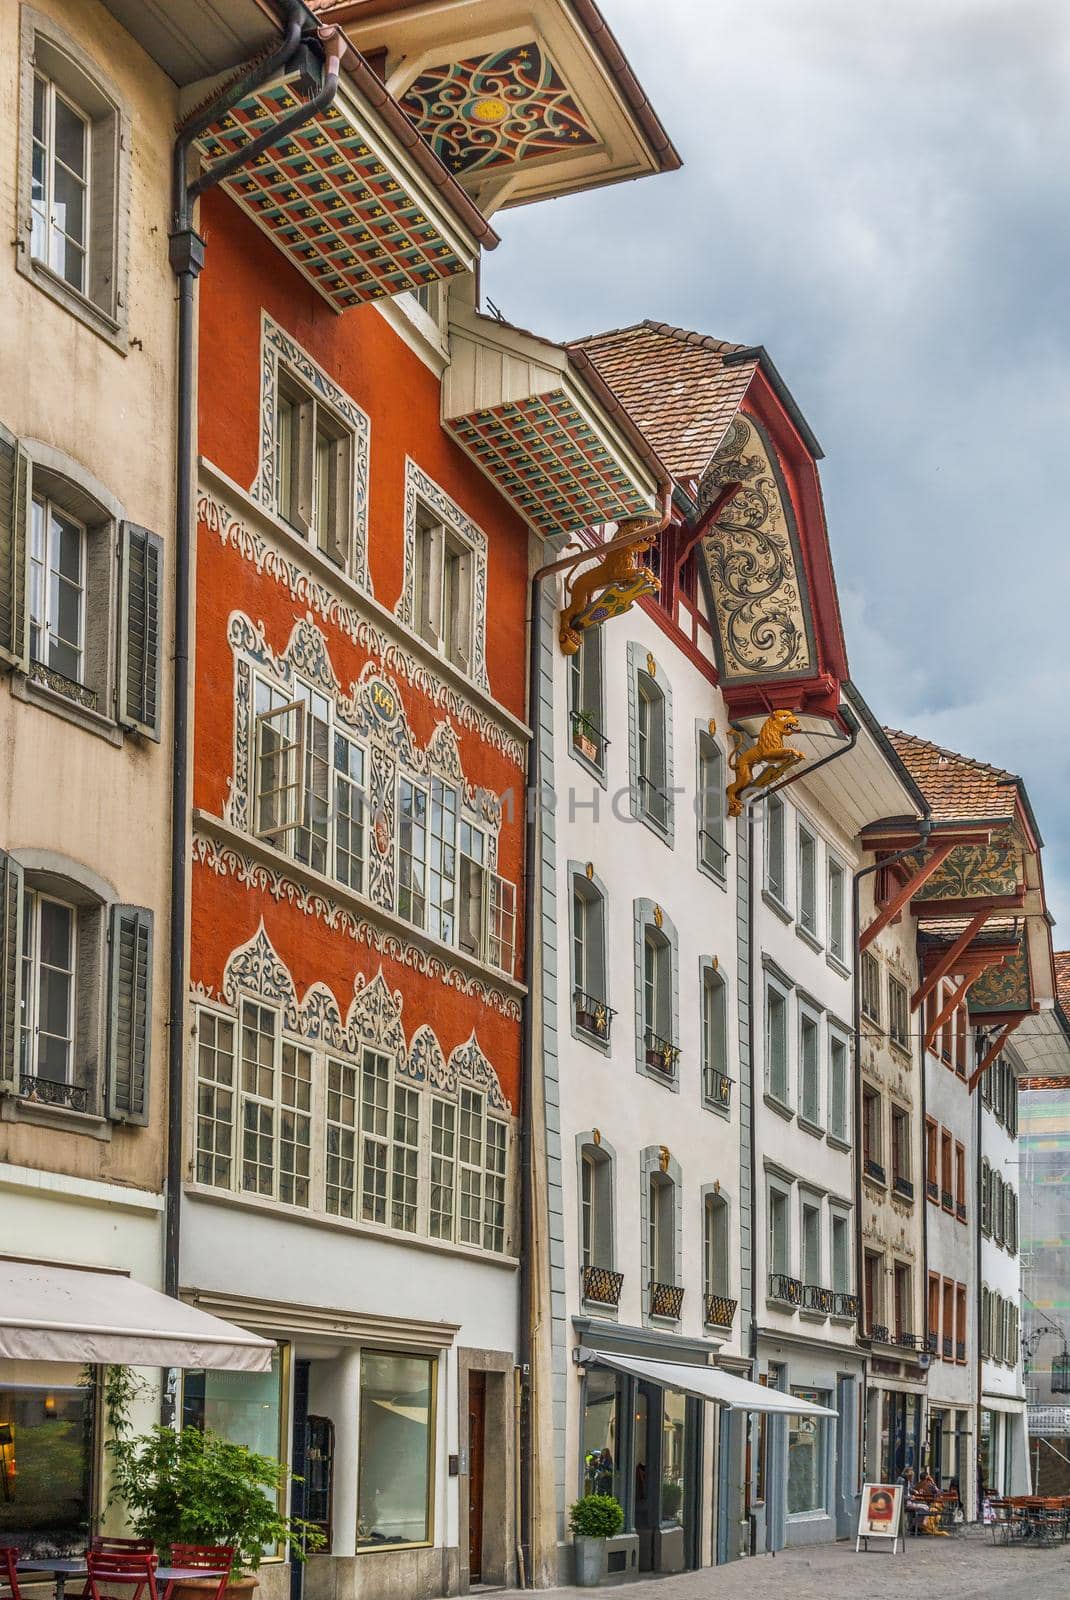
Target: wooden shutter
<point x="14" y="518"/>
<point x="10" y="965"/>
<point x="141" y="557"/>
<point x="129" y="1013"/>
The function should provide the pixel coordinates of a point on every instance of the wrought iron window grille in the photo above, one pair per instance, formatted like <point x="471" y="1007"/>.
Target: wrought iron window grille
<point x="847" y="1305"/>
<point x="592" y="1015"/>
<point x="932" y="1189"/>
<point x="818" y="1299"/>
<point x="874" y="1170"/>
<point x="46" y="1092"/>
<point x="666" y="1300"/>
<point x="946" y="1347"/>
<point x="932" y="1343"/>
<point x="947" y="1199"/>
<point x="909" y="1341"/>
<point x="904" y="1187"/>
<point x="879" y="1334"/>
<point x="661" y="1054"/>
<point x="783" y="1287"/>
<point x="718" y="1087"/>
<point x="602" y="1286"/>
<point x="960" y="1350"/>
<point x="720" y="1311"/>
<point x="960" y="1210"/>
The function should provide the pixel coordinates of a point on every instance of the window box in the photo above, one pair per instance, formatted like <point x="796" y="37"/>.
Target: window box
<point x="785" y="1289"/>
<point x="666" y="1300"/>
<point x="720" y="1311"/>
<point x="817" y="1299"/>
<point x="592" y="1016"/>
<point x="661" y="1054"/>
<point x="601" y="1286"/>
<point x="588" y="738"/>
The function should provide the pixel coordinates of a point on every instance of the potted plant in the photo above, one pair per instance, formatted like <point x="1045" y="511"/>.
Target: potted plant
<point x="593" y="1518"/>
<point x="585" y="734"/>
<point x="194" y="1487"/>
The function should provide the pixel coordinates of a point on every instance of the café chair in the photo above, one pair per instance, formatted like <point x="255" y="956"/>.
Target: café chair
<point x="127" y="1575"/>
<point x="120" y="1547"/>
<point x="9" y="1577"/>
<point x="213" y="1557"/>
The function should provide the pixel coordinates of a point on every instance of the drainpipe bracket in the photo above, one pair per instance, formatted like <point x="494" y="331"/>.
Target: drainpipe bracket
<point x="185" y="251"/>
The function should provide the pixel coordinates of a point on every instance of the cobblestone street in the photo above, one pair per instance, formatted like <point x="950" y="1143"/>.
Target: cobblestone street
<point x="966" y="1568"/>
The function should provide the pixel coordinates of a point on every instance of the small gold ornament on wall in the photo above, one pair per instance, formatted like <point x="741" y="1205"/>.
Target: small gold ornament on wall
<point x="664" y="1157"/>
<point x="651" y="665"/>
<point x="659" y="916"/>
<point x="712" y="726"/>
<point x="596" y="1135"/>
<point x="589" y="869"/>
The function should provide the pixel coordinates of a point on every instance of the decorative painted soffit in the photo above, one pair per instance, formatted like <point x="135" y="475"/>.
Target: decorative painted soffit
<point x="1003" y="988"/>
<point x="979" y="871"/>
<point x="340" y="198"/>
<point x="516" y="404"/>
<point x="497" y="110"/>
<point x="764" y="628"/>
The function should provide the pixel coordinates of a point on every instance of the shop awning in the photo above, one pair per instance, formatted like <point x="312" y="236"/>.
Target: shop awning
<point x="709" y="1383"/>
<point x="94" y="1317"/>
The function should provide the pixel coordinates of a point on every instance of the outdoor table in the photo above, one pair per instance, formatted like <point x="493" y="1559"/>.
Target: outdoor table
<point x="63" y="1567"/>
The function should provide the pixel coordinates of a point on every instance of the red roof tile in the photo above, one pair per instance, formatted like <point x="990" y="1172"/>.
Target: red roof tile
<point x="958" y="788"/>
<point x="676" y="385"/>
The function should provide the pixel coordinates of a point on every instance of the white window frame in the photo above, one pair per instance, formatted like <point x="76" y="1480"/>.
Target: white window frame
<point x="716" y="1078"/>
<point x="810" y="1203"/>
<point x="443" y="588"/>
<point x="776" y="861"/>
<point x="869" y="993"/>
<point x="30" y="987"/>
<point x="778" y="1203"/>
<point x="586" y="700"/>
<point x="839" y="1049"/>
<point x="321" y="512"/>
<point x="898" y="1010"/>
<point x="45" y="212"/>
<point x="840" y="1218"/>
<point x="652" y="752"/>
<point x="809" y="1027"/>
<point x="716" y="1245"/>
<point x="661" y="1227"/>
<point x="710" y="807"/>
<point x="774" y="987"/>
<point x="807" y="861"/>
<point x="42" y="617"/>
<point x="836" y="876"/>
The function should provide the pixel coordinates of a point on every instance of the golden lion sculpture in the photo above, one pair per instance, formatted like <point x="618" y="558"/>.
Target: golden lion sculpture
<point x="769" y="752"/>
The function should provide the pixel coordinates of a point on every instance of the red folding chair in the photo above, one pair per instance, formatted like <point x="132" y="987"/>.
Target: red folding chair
<point x="9" y="1560"/>
<point x="212" y="1557"/>
<point x="121" y="1575"/>
<point x="121" y="1547"/>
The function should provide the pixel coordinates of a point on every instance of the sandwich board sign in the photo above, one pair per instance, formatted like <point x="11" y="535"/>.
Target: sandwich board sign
<point x="880" y="1515"/>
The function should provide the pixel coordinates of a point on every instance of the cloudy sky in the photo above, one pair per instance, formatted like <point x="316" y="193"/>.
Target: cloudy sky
<point x="879" y="195"/>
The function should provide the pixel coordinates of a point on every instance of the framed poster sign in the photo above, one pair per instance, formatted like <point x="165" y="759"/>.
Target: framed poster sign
<point x="880" y="1514"/>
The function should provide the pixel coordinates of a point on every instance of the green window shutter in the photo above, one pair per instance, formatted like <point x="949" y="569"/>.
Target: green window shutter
<point x="10" y="964"/>
<point x="141" y="558"/>
<point x="129" y="1013"/>
<point x="14" y="511"/>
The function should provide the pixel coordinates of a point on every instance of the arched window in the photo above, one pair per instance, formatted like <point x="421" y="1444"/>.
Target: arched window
<point x="716" y="1083"/>
<point x="589" y="974"/>
<point x="719" y="1310"/>
<point x="712" y="852"/>
<point x="652" y="770"/>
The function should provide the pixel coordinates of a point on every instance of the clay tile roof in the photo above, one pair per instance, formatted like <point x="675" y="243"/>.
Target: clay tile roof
<point x="676" y="385"/>
<point x="1062" y="979"/>
<point x="958" y="788"/>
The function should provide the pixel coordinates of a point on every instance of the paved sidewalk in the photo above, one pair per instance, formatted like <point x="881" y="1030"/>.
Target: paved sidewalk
<point x="968" y="1567"/>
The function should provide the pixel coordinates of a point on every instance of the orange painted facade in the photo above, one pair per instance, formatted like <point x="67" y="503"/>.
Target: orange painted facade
<point x="400" y="395"/>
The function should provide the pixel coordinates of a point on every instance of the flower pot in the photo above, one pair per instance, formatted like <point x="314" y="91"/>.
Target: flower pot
<point x="590" y="1561"/>
<point x="204" y="1588"/>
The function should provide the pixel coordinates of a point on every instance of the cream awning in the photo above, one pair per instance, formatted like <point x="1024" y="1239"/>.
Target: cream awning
<point x="709" y="1383"/>
<point x="95" y="1317"/>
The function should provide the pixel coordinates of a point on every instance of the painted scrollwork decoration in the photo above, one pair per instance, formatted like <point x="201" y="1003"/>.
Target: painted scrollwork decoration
<point x="754" y="565"/>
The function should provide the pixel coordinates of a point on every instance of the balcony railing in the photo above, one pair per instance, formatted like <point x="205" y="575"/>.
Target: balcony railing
<point x="960" y="1210"/>
<point x="909" y="1341"/>
<point x="846" y="1305"/>
<point x="932" y="1343"/>
<point x="661" y="1054"/>
<point x="592" y="1015"/>
<point x="947" y="1199"/>
<point x="874" y="1170"/>
<point x="47" y="1092"/>
<point x="588" y="738"/>
<point x="714" y="850"/>
<point x="601" y="1286"/>
<point x="666" y="1300"/>
<point x="932" y="1189"/>
<point x="781" y="1287"/>
<point x="947" y="1344"/>
<point x="903" y="1186"/>
<point x="960" y="1350"/>
<point x="879" y="1334"/>
<point x="720" y="1311"/>
<point x="718" y="1088"/>
<point x="816" y="1299"/>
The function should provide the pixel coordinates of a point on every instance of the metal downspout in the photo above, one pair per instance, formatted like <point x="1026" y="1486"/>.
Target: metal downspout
<point x="980" y="1041"/>
<point x="186" y="253"/>
<point x="528" y="1042"/>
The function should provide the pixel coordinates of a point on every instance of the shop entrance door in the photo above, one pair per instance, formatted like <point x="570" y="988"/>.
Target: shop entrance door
<point x="477" y="1410"/>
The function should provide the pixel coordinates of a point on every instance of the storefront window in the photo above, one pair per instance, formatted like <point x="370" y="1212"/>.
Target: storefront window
<point x="244" y="1407"/>
<point x="601" y="1425"/>
<point x="807" y="1445"/>
<point x="46" y="1457"/>
<point x="396" y="1450"/>
<point x="674" y="1407"/>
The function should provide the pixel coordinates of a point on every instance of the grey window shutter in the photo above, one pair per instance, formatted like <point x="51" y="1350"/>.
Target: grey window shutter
<point x="10" y="964"/>
<point x="14" y="511"/>
<point x="141" y="558"/>
<point x="129" y="1013"/>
